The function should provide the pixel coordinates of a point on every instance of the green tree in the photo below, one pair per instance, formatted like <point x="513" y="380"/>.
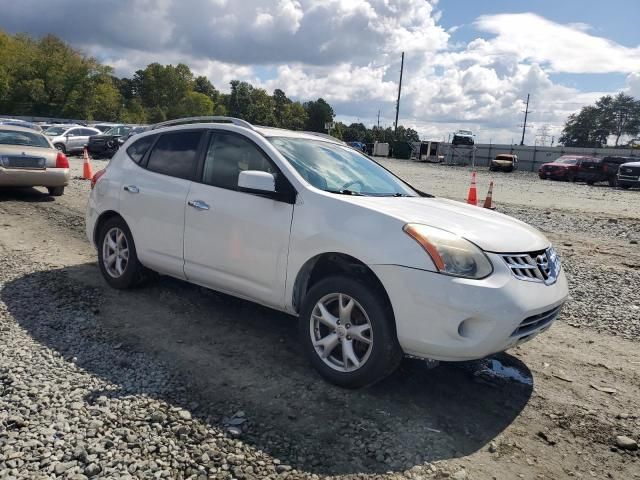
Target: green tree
<point x="280" y="105"/>
<point x="585" y="129"/>
<point x="195" y="104"/>
<point x="202" y="85"/>
<point x="294" y="116"/>
<point x="620" y="115"/>
<point x="319" y="112"/>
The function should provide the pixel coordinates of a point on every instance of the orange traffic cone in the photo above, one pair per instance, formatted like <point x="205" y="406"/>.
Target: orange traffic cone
<point x="488" y="202"/>
<point x="87" y="171"/>
<point x="472" y="197"/>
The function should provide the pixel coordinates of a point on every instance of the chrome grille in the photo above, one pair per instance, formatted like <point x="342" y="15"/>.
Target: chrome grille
<point x="541" y="266"/>
<point x="535" y="322"/>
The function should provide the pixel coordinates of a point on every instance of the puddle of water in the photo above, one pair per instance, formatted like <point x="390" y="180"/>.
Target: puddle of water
<point x="497" y="369"/>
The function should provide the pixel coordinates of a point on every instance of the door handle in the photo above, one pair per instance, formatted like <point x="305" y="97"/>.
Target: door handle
<point x="198" y="204"/>
<point x="131" y="189"/>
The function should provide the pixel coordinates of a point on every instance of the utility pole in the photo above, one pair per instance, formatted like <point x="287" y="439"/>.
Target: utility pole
<point x="378" y="119"/>
<point x="524" y="127"/>
<point x="399" y="90"/>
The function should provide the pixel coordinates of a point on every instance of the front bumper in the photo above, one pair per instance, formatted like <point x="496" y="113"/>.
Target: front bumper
<point x="25" y="177"/>
<point x="453" y="319"/>
<point x="628" y="181"/>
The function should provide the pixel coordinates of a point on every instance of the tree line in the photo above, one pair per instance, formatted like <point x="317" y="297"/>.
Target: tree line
<point x="610" y="116"/>
<point x="46" y="77"/>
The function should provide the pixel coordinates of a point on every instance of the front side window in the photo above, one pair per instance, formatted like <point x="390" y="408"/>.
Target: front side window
<point x="339" y="169"/>
<point x="174" y="154"/>
<point x="227" y="156"/>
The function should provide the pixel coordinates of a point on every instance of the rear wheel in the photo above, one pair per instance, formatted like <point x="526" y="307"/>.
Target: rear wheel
<point x="117" y="256"/>
<point x="55" y="191"/>
<point x="61" y="147"/>
<point x="348" y="332"/>
<point x="612" y="182"/>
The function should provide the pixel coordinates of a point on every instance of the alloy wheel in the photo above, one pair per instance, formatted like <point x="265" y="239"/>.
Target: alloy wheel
<point x="115" y="252"/>
<point x="341" y="332"/>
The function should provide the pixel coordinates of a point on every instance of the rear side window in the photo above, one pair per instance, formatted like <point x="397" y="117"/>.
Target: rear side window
<point x="138" y="148"/>
<point x="174" y="154"/>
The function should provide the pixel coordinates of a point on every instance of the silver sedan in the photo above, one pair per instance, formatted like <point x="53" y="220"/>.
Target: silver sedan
<point x="28" y="159"/>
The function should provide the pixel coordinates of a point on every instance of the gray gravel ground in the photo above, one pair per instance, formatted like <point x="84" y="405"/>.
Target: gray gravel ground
<point x="102" y="384"/>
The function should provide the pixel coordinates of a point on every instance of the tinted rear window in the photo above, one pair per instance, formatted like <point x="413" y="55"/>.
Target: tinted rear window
<point x="138" y="148"/>
<point x="174" y="154"/>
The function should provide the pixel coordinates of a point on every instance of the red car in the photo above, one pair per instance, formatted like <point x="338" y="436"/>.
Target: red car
<point x="567" y="167"/>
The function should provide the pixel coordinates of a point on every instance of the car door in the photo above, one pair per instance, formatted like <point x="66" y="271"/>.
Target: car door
<point x="153" y="197"/>
<point x="83" y="138"/>
<point x="73" y="138"/>
<point x="234" y="241"/>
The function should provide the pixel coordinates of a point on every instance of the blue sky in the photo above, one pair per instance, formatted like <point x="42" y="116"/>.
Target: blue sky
<point x="469" y="63"/>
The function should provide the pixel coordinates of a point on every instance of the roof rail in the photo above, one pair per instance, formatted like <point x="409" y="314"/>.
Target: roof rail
<point x="207" y="119"/>
<point x="325" y="135"/>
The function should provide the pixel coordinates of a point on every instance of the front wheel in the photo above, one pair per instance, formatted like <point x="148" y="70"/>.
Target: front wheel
<point x="117" y="256"/>
<point x="61" y="147"/>
<point x="348" y="332"/>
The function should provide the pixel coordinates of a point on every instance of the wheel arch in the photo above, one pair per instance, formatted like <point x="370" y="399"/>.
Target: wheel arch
<point x="334" y="263"/>
<point x="104" y="216"/>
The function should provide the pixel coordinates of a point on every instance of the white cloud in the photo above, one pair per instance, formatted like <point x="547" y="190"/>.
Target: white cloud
<point x="564" y="48"/>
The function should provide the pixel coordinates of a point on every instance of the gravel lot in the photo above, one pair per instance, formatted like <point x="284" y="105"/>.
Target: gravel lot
<point x="175" y="381"/>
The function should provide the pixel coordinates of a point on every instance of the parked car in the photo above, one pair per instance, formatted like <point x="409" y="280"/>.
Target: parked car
<point x="563" y="168"/>
<point x="106" y="144"/>
<point x="70" y="139"/>
<point x="28" y="159"/>
<point x="462" y="137"/>
<point x="505" y="162"/>
<point x="629" y="175"/>
<point x="609" y="170"/>
<point x="357" y="145"/>
<point x="373" y="268"/>
<point x="103" y="127"/>
<point x="20" y="123"/>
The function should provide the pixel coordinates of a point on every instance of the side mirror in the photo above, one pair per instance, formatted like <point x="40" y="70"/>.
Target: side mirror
<point x="255" y="181"/>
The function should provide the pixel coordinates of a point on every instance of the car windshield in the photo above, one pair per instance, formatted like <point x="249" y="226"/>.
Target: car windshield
<point x="464" y="132"/>
<point x="55" y="131"/>
<point x="339" y="169"/>
<point x="27" y="139"/>
<point x="567" y="161"/>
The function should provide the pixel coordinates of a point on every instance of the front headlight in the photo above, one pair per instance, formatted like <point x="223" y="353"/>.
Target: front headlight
<point x="451" y="254"/>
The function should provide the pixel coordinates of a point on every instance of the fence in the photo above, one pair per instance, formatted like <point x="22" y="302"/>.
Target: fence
<point x="529" y="158"/>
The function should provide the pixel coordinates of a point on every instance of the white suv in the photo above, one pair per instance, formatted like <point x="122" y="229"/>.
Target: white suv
<point x="302" y="223"/>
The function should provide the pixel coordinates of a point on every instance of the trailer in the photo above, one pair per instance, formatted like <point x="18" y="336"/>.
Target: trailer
<point x="427" y="152"/>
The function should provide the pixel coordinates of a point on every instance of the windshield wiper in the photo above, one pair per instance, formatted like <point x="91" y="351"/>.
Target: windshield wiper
<point x="346" y="192"/>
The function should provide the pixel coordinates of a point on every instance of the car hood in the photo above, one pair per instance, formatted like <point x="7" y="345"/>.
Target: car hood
<point x="490" y="230"/>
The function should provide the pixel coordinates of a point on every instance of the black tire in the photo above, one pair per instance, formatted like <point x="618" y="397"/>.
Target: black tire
<point x="625" y="187"/>
<point x="612" y="182"/>
<point x="542" y="177"/>
<point x="55" y="191"/>
<point x="492" y="168"/>
<point x="590" y="182"/>
<point x="61" y="147"/>
<point x="385" y="354"/>
<point x="570" y="178"/>
<point x="134" y="272"/>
